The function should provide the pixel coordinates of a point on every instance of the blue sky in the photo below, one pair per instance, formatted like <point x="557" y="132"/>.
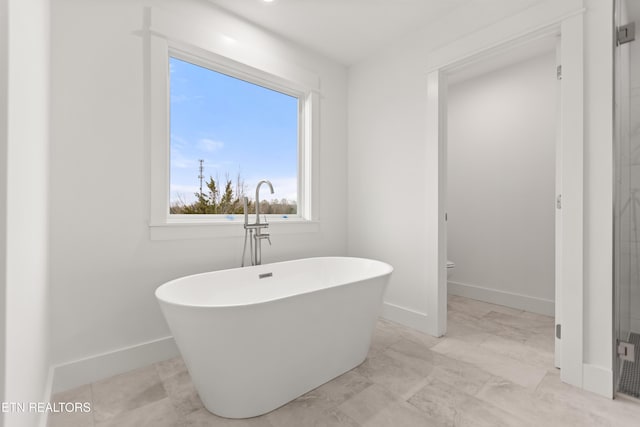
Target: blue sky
<point x="236" y="127"/>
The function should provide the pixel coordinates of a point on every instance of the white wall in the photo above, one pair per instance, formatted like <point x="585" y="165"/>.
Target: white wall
<point x="501" y="185"/>
<point x="24" y="200"/>
<point x="387" y="109"/>
<point x="105" y="268"/>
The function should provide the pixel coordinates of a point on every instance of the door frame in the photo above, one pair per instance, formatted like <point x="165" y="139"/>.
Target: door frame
<point x="569" y="244"/>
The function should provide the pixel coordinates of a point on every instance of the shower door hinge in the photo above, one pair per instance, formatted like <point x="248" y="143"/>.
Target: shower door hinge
<point x="559" y="331"/>
<point x="559" y="72"/>
<point x="626" y="33"/>
<point x="626" y="351"/>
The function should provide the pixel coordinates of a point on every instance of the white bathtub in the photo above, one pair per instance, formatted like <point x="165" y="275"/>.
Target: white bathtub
<point x="253" y="344"/>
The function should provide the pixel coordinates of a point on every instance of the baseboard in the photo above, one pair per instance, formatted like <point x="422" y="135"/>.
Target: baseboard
<point x="597" y="379"/>
<point x="519" y="301"/>
<point x="405" y="316"/>
<point x="95" y="368"/>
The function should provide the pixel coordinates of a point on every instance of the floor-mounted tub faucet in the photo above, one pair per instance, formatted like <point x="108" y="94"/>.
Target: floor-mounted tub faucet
<point x="254" y="231"/>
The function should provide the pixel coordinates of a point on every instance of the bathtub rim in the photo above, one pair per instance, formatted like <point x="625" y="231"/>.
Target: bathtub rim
<point x="388" y="270"/>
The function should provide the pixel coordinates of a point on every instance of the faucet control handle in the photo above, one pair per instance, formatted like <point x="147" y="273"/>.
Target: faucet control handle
<point x="263" y="236"/>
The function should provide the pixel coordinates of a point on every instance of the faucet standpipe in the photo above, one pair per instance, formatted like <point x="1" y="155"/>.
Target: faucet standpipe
<point x="253" y="231"/>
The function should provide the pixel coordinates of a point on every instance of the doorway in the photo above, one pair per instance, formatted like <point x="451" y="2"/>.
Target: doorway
<point x="569" y="246"/>
<point x="501" y="185"/>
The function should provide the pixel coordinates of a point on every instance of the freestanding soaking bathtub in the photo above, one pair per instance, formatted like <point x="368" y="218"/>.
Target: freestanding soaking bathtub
<point x="255" y="338"/>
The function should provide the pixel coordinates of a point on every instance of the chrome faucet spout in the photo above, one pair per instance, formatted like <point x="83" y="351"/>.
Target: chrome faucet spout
<point x="253" y="232"/>
<point x="264" y="181"/>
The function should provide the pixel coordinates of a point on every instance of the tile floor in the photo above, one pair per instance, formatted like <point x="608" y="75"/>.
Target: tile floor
<point x="493" y="368"/>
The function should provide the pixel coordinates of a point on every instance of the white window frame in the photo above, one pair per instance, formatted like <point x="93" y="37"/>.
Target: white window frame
<point x="221" y="53"/>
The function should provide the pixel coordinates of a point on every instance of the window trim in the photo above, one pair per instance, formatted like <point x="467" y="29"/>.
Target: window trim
<point x="219" y="52"/>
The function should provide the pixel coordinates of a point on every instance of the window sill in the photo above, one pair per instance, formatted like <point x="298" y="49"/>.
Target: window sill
<point x="183" y="230"/>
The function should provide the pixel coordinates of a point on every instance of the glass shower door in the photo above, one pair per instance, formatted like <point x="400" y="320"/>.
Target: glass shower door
<point x="627" y="200"/>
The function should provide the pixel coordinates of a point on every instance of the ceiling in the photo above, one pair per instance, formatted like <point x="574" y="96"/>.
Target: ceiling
<point x="345" y="30"/>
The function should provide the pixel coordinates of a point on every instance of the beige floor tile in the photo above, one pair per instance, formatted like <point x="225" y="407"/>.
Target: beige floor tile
<point x="126" y="392"/>
<point x="463" y="376"/>
<point x="493" y="368"/>
<point x="413" y="355"/>
<point x="334" y="418"/>
<point x="466" y="329"/>
<point x="532" y="355"/>
<point x="384" y="335"/>
<point x="417" y="336"/>
<point x="478" y="308"/>
<point x="538" y="318"/>
<point x="385" y="370"/>
<point x="478" y="413"/>
<point x="542" y="342"/>
<point x="157" y="414"/>
<point x="399" y="414"/>
<point x="74" y="419"/>
<point x="472" y="325"/>
<point x="170" y="367"/>
<point x="439" y="401"/>
<point x="204" y="418"/>
<point x="492" y="362"/>
<point x="508" y="323"/>
<point x="526" y="322"/>
<point x="365" y="405"/>
<point x="80" y="394"/>
<point x="302" y="413"/>
<point x="618" y="412"/>
<point x="295" y="413"/>
<point x="504" y="329"/>
<point x="622" y="411"/>
<point x="337" y="391"/>
<point x="177" y="383"/>
<point x="523" y="402"/>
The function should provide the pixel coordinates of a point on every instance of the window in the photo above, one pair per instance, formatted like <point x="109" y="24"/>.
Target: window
<point x="242" y="115"/>
<point x="227" y="134"/>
